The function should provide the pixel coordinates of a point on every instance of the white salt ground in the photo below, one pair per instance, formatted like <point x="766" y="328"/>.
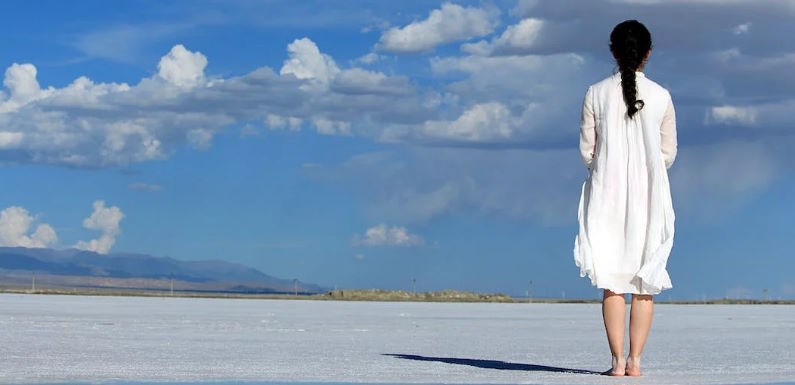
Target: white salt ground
<point x="45" y="339"/>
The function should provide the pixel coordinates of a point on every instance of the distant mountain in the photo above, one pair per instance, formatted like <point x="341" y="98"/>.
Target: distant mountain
<point x="129" y="270"/>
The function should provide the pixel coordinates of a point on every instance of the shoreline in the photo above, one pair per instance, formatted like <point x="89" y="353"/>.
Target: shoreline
<point x="363" y="295"/>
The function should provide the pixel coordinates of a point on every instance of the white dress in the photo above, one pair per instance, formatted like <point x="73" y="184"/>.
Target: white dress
<point x="626" y="218"/>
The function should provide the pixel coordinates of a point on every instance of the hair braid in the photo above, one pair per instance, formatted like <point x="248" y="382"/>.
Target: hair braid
<point x="630" y="41"/>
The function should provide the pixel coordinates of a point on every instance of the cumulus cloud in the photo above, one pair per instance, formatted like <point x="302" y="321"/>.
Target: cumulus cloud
<point x="383" y="235"/>
<point x="10" y="139"/>
<point x="516" y="39"/>
<point x="450" y="23"/>
<point x="489" y="107"/>
<point x="106" y="220"/>
<point x="742" y="28"/>
<point x="331" y="127"/>
<point x="181" y="67"/>
<point x="103" y="124"/>
<point x="276" y="122"/>
<point x="483" y="122"/>
<point x="15" y="225"/>
<point x="369" y="58"/>
<point x="307" y="62"/>
<point x="20" y="81"/>
<point x="363" y="82"/>
<point x="732" y="115"/>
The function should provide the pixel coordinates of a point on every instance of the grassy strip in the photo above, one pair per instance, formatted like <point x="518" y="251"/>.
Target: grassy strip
<point x="362" y="295"/>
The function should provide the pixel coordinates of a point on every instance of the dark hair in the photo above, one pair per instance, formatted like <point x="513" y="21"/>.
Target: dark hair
<point x="629" y="42"/>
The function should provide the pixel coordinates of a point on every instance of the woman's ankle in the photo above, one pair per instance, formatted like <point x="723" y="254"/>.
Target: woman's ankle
<point x="617" y="366"/>
<point x="632" y="367"/>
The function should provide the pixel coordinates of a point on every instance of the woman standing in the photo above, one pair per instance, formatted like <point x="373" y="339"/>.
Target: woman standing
<point x="626" y="218"/>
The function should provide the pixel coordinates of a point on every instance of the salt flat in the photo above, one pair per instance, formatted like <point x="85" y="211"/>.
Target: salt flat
<point x="49" y="339"/>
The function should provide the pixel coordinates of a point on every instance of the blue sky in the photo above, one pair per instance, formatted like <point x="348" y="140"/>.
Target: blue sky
<point x="364" y="143"/>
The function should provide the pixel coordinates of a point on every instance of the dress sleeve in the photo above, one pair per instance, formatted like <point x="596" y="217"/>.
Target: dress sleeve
<point x="668" y="142"/>
<point x="587" y="130"/>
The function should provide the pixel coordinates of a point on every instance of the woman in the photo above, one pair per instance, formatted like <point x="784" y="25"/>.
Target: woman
<point x="627" y="141"/>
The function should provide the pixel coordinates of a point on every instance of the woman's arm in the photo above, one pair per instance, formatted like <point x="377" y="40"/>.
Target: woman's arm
<point x="587" y="130"/>
<point x="668" y="135"/>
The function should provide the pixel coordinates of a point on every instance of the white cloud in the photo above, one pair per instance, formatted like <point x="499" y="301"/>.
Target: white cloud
<point x="450" y="23"/>
<point x="10" y="139"/>
<point x="330" y="127"/>
<point x="519" y="38"/>
<point x="360" y="81"/>
<point x="15" y="224"/>
<point x="742" y="28"/>
<point x="489" y="106"/>
<point x="276" y="122"/>
<point x="369" y="58"/>
<point x="307" y="62"/>
<point x="200" y="138"/>
<point x="732" y="115"/>
<point x="106" y="220"/>
<point x="181" y="67"/>
<point x="104" y="124"/>
<point x="550" y="79"/>
<point x="480" y="123"/>
<point x="20" y="80"/>
<point x="727" y="54"/>
<point x="383" y="235"/>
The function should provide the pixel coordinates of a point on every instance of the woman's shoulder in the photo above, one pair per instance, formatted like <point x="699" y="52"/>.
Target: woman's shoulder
<point x="604" y="87"/>
<point x="651" y="85"/>
<point x="607" y="82"/>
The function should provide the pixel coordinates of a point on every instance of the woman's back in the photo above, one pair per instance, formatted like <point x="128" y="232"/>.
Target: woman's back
<point x="626" y="205"/>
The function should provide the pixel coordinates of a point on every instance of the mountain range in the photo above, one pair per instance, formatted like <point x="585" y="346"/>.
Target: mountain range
<point x="81" y="268"/>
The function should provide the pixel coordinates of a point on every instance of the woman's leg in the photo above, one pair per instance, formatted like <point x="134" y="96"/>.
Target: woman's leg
<point x="614" y="310"/>
<point x="640" y="317"/>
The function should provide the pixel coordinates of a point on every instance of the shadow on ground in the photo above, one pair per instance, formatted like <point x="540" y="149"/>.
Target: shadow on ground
<point x="493" y="364"/>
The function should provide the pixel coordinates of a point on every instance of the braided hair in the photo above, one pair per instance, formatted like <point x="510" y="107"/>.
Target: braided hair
<point x="630" y="41"/>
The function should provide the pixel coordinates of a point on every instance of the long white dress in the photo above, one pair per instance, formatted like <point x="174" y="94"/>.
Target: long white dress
<point x="626" y="217"/>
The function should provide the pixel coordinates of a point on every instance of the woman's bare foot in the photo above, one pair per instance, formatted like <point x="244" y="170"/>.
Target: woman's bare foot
<point x="633" y="366"/>
<point x="618" y="368"/>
